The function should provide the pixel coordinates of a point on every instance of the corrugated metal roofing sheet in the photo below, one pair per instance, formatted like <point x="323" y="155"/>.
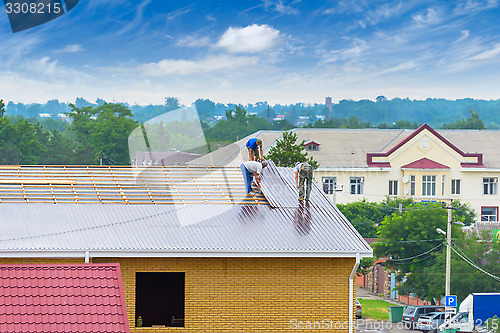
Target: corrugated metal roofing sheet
<point x="347" y="148"/>
<point x="279" y="188"/>
<point x="176" y="230"/>
<point x="62" y="298"/>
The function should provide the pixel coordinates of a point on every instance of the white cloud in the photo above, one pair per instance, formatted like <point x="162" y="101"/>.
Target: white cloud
<point x="464" y="36"/>
<point x="385" y="12"/>
<point x="70" y="48"/>
<point x="468" y="6"/>
<point x="251" y="39"/>
<point x="189" y="67"/>
<point x="191" y="41"/>
<point x="431" y="17"/>
<point x="489" y="55"/>
<point x="347" y="54"/>
<point x="281" y="6"/>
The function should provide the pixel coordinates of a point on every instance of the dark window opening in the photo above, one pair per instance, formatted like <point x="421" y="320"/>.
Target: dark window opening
<point x="159" y="299"/>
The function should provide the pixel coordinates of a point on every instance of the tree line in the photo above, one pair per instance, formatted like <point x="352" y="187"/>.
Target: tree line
<point x="380" y="112"/>
<point x="94" y="131"/>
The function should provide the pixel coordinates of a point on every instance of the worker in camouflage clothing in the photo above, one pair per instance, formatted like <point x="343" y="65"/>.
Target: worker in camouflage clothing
<point x="303" y="174"/>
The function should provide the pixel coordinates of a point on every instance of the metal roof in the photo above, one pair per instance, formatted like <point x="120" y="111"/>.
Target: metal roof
<point x="347" y="148"/>
<point x="284" y="228"/>
<point x="208" y="214"/>
<point x="69" y="230"/>
<point x="124" y="185"/>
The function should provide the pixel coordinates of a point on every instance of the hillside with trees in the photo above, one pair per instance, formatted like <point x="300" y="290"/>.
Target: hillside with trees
<point x="382" y="112"/>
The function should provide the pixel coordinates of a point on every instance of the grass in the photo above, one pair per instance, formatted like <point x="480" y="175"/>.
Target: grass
<point x="375" y="309"/>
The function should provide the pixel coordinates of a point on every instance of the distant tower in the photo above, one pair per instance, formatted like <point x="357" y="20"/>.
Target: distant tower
<point x="329" y="106"/>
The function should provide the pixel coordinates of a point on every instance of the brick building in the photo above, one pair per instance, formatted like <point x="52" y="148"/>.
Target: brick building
<point x="195" y="253"/>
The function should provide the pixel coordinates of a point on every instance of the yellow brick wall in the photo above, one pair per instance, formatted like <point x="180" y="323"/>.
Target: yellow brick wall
<point x="251" y="294"/>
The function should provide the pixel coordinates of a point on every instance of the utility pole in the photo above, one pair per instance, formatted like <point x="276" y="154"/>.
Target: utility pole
<point x="448" y="256"/>
<point x="448" y="253"/>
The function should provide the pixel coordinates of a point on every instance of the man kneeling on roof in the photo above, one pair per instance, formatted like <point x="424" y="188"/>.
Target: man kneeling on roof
<point x="303" y="173"/>
<point x="250" y="170"/>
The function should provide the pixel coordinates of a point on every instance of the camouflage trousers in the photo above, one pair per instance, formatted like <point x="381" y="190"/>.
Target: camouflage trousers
<point x="307" y="179"/>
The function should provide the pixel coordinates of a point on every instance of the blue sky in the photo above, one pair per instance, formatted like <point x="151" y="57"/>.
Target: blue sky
<point x="243" y="51"/>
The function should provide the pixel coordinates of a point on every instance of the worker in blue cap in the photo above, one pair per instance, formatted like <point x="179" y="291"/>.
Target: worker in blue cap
<point x="254" y="147"/>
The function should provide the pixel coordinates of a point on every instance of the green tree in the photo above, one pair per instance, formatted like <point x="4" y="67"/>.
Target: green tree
<point x="474" y="121"/>
<point x="59" y="150"/>
<point x="20" y="142"/>
<point x="286" y="152"/>
<point x="102" y="128"/>
<point x="2" y="108"/>
<point x="429" y="283"/>
<point x="238" y="124"/>
<point x="367" y="216"/>
<point x="281" y="125"/>
<point x="172" y="103"/>
<point x="365" y="265"/>
<point x="415" y="249"/>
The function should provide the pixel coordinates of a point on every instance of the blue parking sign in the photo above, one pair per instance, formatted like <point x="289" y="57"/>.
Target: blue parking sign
<point x="451" y="301"/>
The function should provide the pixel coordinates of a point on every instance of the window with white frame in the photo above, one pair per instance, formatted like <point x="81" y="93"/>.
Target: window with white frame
<point x="455" y="186"/>
<point x="357" y="185"/>
<point x="428" y="186"/>
<point x="489" y="214"/>
<point x="490" y="185"/>
<point x="393" y="187"/>
<point x="412" y="185"/>
<point x="329" y="184"/>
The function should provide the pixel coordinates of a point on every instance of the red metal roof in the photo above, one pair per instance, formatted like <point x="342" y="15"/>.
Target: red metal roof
<point x="62" y="298"/>
<point x="425" y="163"/>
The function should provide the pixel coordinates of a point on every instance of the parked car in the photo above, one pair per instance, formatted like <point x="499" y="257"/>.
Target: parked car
<point x="413" y="312"/>
<point x="359" y="310"/>
<point x="430" y="322"/>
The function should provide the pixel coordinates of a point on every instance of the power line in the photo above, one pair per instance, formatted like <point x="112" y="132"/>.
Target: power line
<point x="470" y="262"/>
<point x="110" y="160"/>
<point x="94" y="227"/>
<point x="419" y="255"/>
<point x="414" y="261"/>
<point x="390" y="208"/>
<point x="412" y="241"/>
